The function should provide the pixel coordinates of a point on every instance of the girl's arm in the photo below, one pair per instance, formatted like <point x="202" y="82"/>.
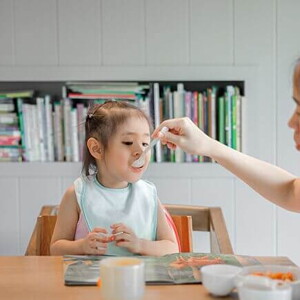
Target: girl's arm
<point x="62" y="241"/>
<point x="166" y="240"/>
<point x="273" y="183"/>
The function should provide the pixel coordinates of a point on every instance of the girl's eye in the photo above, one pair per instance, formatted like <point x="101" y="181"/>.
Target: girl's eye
<point x="145" y="144"/>
<point x="127" y="143"/>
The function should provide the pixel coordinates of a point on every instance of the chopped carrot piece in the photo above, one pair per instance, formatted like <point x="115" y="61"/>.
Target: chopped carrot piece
<point x="99" y="283"/>
<point x="288" y="276"/>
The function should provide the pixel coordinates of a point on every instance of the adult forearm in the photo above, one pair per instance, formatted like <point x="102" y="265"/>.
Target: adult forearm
<point x="272" y="182"/>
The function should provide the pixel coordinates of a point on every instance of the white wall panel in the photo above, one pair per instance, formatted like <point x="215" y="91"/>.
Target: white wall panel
<point x="34" y="193"/>
<point x="6" y="32"/>
<point x="211" y="32"/>
<point x="167" y="193"/>
<point x="216" y="192"/>
<point x="254" y="41"/>
<point x="35" y="32"/>
<point x="254" y="31"/>
<point x="255" y="223"/>
<point x="66" y="182"/>
<point x="167" y="32"/>
<point x="123" y="32"/>
<point x="79" y="32"/>
<point x="288" y="235"/>
<point x="9" y="221"/>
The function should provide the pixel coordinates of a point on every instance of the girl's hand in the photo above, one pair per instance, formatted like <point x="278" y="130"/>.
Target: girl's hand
<point x="95" y="242"/>
<point x="185" y="134"/>
<point x="127" y="239"/>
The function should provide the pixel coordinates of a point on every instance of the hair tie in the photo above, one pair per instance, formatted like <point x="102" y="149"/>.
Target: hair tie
<point x="90" y="116"/>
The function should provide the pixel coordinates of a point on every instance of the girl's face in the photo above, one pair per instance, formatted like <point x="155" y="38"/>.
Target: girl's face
<point x="125" y="146"/>
<point x="294" y="121"/>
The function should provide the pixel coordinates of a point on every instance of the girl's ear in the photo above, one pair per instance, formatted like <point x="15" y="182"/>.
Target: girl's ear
<point x="94" y="147"/>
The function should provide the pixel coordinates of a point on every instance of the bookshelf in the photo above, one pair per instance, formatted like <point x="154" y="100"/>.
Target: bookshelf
<point x="163" y="99"/>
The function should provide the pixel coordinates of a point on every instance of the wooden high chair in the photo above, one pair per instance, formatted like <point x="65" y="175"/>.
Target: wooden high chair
<point x="206" y="219"/>
<point x="185" y="219"/>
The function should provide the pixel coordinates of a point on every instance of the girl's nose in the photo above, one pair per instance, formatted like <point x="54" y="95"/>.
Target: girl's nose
<point x="138" y="151"/>
<point x="294" y="121"/>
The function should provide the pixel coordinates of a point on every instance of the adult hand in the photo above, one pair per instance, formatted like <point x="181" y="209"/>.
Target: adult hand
<point x="95" y="242"/>
<point x="183" y="133"/>
<point x="127" y="238"/>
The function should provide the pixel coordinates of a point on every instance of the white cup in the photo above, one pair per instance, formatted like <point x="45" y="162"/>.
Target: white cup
<point x="122" y="278"/>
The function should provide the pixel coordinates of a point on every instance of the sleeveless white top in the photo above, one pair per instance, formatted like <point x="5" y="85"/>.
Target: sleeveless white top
<point x="135" y="206"/>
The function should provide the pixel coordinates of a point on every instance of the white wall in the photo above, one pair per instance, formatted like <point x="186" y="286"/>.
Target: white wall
<point x="254" y="40"/>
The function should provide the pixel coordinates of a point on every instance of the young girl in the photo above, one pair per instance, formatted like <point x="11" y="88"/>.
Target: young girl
<point x="109" y="209"/>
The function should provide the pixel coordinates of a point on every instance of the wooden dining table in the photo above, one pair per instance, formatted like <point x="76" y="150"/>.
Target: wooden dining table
<point x="42" y="277"/>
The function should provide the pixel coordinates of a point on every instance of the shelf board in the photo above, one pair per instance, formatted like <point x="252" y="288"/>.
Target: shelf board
<point x="62" y="169"/>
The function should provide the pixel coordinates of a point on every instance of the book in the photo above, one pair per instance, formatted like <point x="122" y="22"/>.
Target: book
<point x="16" y="94"/>
<point x="74" y="135"/>
<point x="221" y="120"/>
<point x="101" y="96"/>
<point x="179" y="112"/>
<point x="59" y="150"/>
<point x="67" y="130"/>
<point x="6" y="105"/>
<point x="177" y="268"/>
<point x="228" y="115"/>
<point x="157" y="119"/>
<point x="40" y="107"/>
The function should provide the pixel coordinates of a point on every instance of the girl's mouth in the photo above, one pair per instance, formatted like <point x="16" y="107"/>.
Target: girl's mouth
<point x="137" y="170"/>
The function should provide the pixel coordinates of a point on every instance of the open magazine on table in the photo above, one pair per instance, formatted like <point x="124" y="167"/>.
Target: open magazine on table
<point x="177" y="268"/>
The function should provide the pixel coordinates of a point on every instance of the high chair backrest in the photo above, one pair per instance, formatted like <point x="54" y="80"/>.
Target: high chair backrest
<point x="39" y="243"/>
<point x="207" y="219"/>
<point x="185" y="219"/>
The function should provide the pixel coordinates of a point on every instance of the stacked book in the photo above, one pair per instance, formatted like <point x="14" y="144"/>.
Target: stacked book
<point x="101" y="91"/>
<point x="10" y="132"/>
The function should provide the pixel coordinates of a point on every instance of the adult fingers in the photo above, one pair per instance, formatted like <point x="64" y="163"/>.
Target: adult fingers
<point x="171" y="124"/>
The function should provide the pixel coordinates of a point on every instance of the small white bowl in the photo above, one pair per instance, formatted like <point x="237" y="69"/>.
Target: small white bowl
<point x="262" y="288"/>
<point x="219" y="279"/>
<point x="276" y="268"/>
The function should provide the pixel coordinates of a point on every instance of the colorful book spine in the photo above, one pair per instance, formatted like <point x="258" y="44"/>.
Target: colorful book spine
<point x="188" y="113"/>
<point x="67" y="129"/>
<point x="58" y="132"/>
<point x="40" y="108"/>
<point x="221" y="120"/>
<point x="49" y="129"/>
<point x="195" y="158"/>
<point x="74" y="135"/>
<point x="228" y="115"/>
<point x="200" y="118"/>
<point x="21" y="123"/>
<point x="234" y="121"/>
<point x="157" y="119"/>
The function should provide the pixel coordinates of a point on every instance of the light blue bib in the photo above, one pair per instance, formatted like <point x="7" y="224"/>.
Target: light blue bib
<point x="135" y="206"/>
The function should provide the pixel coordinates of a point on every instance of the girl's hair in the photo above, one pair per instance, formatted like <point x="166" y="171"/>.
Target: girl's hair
<point x="102" y="122"/>
<point x="296" y="77"/>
